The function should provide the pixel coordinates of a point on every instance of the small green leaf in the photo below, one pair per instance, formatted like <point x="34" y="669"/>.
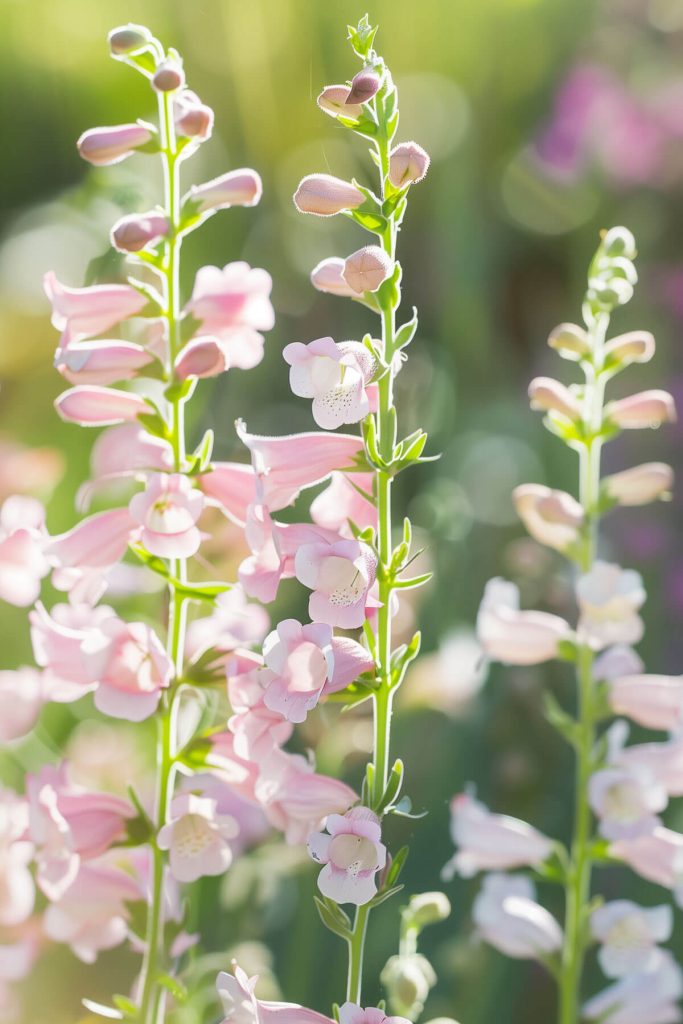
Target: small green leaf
<point x="333" y="917"/>
<point x="126" y="1006"/>
<point x="415" y="581"/>
<point x="393" y="787"/>
<point x="561" y="720"/>
<point x="384" y="894"/>
<point x="396" y="866"/>
<point x="180" y="390"/>
<point x="174" y="986"/>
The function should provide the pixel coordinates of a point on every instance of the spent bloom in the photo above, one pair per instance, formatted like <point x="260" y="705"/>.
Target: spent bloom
<point x="628" y="934"/>
<point x="197" y="838"/>
<point x="352" y="853"/>
<point x="609" y="598"/>
<point x="508" y="917"/>
<point x="168" y="510"/>
<point x="517" y="637"/>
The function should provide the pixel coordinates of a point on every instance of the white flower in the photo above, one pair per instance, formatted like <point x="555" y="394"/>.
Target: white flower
<point x="508" y="917"/>
<point x="609" y="598"/>
<point x="629" y="935"/>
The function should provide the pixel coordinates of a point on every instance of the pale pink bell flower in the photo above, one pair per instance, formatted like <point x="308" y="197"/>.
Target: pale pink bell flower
<point x="23" y="541"/>
<point x="644" y="997"/>
<point x="21" y="699"/>
<point x="17" y="891"/>
<point x="328" y="276"/>
<point x="663" y="760"/>
<point x="340" y="575"/>
<point x="508" y="917"/>
<point x="628" y="935"/>
<point x="112" y="144"/>
<point x="232" y="487"/>
<point x="570" y="341"/>
<point x="96" y="542"/>
<point x="233" y="622"/>
<point x="646" y="409"/>
<point x="136" y="670"/>
<point x="197" y="838"/>
<point x="324" y="195"/>
<point x="71" y="648"/>
<point x="341" y="502"/>
<point x="517" y="637"/>
<point x="641" y="484"/>
<point x="168" y="510"/>
<point x="257" y="730"/>
<point x="352" y="854"/>
<point x="627" y="801"/>
<point x="335" y="376"/>
<point x="241" y="1006"/>
<point x="102" y="362"/>
<point x="193" y="119"/>
<point x="553" y="518"/>
<point x="491" y="842"/>
<point x="549" y="395"/>
<point x="81" y="313"/>
<point x="201" y="357"/>
<point x="351" y="1013"/>
<point x="634" y="347"/>
<point x="658" y="857"/>
<point x="653" y="701"/>
<point x="609" y="598"/>
<point x="408" y="164"/>
<point x="89" y="405"/>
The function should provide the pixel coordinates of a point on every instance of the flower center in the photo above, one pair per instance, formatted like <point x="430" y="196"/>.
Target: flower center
<point x="191" y="835"/>
<point x="353" y="854"/>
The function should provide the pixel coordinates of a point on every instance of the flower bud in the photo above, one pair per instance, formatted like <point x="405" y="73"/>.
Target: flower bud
<point x="570" y="341"/>
<point x="334" y="101"/>
<point x="328" y="276"/>
<point x="552" y="518"/>
<point x="407" y="980"/>
<point x="93" y="406"/>
<point x="169" y="76"/>
<point x="619" y="242"/>
<point x="408" y="164"/>
<point x="646" y="409"/>
<point x="641" y="484"/>
<point x="111" y="144"/>
<point x="324" y="195"/>
<point x="634" y="347"/>
<point x="549" y="395"/>
<point x="236" y="188"/>
<point x="363" y="87"/>
<point x="138" y="230"/>
<point x="366" y="269"/>
<point x="129" y="39"/>
<point x="193" y="119"/>
<point x="428" y="908"/>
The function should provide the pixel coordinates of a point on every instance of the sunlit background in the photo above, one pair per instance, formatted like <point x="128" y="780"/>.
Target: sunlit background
<point x="547" y="120"/>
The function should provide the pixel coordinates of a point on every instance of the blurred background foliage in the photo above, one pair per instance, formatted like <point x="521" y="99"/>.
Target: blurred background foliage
<point x="547" y="120"/>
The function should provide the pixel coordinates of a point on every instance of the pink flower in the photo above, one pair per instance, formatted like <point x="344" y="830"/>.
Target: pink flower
<point x="408" y="164"/>
<point x="136" y="670"/>
<point x="168" y="510"/>
<point x="111" y="145"/>
<point x="646" y="409"/>
<point x="340" y="574"/>
<point x="328" y="276"/>
<point x="193" y="119"/>
<point x="609" y="598"/>
<point x="240" y="1005"/>
<point x="83" y="555"/>
<point x="250" y="819"/>
<point x="351" y="1013"/>
<point x="231" y="486"/>
<point x="81" y="313"/>
<point x="234" y="622"/>
<point x="197" y="838"/>
<point x="352" y="854"/>
<point x="70" y="647"/>
<point x="92" y="406"/>
<point x="201" y="357"/>
<point x="508" y="917"/>
<point x="342" y="502"/>
<point x="334" y="376"/>
<point x="663" y="760"/>
<point x="634" y="347"/>
<point x="333" y="101"/>
<point x="643" y="997"/>
<point x="102" y="362"/>
<point x="641" y="484"/>
<point x="364" y="85"/>
<point x="256" y="729"/>
<point x="236" y="188"/>
<point x="138" y="231"/>
<point x="552" y="517"/>
<point x="17" y="891"/>
<point x="653" y="701"/>
<point x="628" y="935"/>
<point x="627" y="801"/>
<point x="305" y="662"/>
<point x="324" y="195"/>
<point x="234" y="305"/>
<point x="22" y="550"/>
<point x="287" y="465"/>
<point x="549" y="395"/>
<point x="69" y="825"/>
<point x="366" y="269"/>
<point x="21" y="698"/>
<point x="91" y="915"/>
<point x="237" y="772"/>
<point x="517" y="637"/>
<point x="491" y="842"/>
<point x="295" y="798"/>
<point x="123" y="449"/>
<point x="658" y="857"/>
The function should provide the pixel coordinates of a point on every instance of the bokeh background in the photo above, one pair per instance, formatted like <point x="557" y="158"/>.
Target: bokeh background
<point x="547" y="120"/>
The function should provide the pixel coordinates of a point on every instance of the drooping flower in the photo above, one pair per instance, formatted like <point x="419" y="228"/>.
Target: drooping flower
<point x="335" y="376"/>
<point x="641" y="484"/>
<point x="90" y="405"/>
<point x="628" y="934"/>
<point x="352" y="853"/>
<point x="609" y="598"/>
<point x="197" y="838"/>
<point x="324" y="195"/>
<point x="552" y="517"/>
<point x="340" y="574"/>
<point x="491" y="842"/>
<point x="646" y="409"/>
<point x="168" y="510"/>
<point x="653" y="701"/>
<point x="193" y="119"/>
<point x="102" y="362"/>
<point x="137" y="231"/>
<point x="658" y="857"/>
<point x="627" y="801"/>
<point x="110" y="145"/>
<point x="333" y="101"/>
<point x="517" y="637"/>
<point x="644" y="997"/>
<point x="242" y="187"/>
<point x="240" y="1005"/>
<point x="22" y="549"/>
<point x="328" y="276"/>
<point x="81" y="313"/>
<point x="508" y="917"/>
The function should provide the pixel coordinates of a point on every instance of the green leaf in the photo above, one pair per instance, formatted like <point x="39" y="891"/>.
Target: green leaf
<point x="180" y="390"/>
<point x="561" y="720"/>
<point x="100" y="1010"/>
<point x="154" y="424"/>
<point x="126" y="1006"/>
<point x="415" y="581"/>
<point x="404" y="809"/>
<point x="333" y="917"/>
<point x="402" y="657"/>
<point x="174" y="986"/>
<point x="384" y="894"/>
<point x="396" y="866"/>
<point x="393" y="787"/>
<point x="199" y="591"/>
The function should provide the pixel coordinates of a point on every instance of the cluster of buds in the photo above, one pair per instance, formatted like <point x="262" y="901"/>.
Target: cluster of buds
<point x="625" y="788"/>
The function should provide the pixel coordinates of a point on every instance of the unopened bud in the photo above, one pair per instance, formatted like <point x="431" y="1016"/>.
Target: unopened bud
<point x="328" y="276"/>
<point x="641" y="484"/>
<point x="550" y="395"/>
<point x="551" y="517"/>
<point x="408" y="164"/>
<point x="193" y="119"/>
<point x="634" y="347"/>
<point x="110" y="145"/>
<point x="428" y="908"/>
<point x="129" y="39"/>
<point x="570" y="341"/>
<point x="138" y="230"/>
<point x="407" y="980"/>
<point x="236" y="188"/>
<point x="334" y="101"/>
<point x="619" y="242"/>
<point x="646" y="409"/>
<point x="363" y="87"/>
<point x="366" y="269"/>
<point x="169" y="76"/>
<point x="324" y="195"/>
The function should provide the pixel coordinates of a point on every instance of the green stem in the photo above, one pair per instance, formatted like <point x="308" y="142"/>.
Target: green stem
<point x="580" y="868"/>
<point x="152" y="1000"/>
<point x="356" y="950"/>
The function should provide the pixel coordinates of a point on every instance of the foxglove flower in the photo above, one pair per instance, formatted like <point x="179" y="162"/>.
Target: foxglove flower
<point x="257" y="730"/>
<point x="334" y="376"/>
<point x="645" y="997"/>
<point x="23" y="540"/>
<point x="21" y="699"/>
<point x="508" y="917"/>
<point x="491" y="842"/>
<point x="81" y="313"/>
<point x="333" y="100"/>
<point x="641" y="484"/>
<point x="609" y="598"/>
<point x="658" y="857"/>
<point x="328" y="276"/>
<point x="102" y="362"/>
<point x="168" y="510"/>
<point x="17" y="893"/>
<point x="517" y="637"/>
<point x="366" y="269"/>
<point x="340" y="574"/>
<point x="197" y="838"/>
<point x="552" y="518"/>
<point x="236" y="188"/>
<point x="138" y="231"/>
<point x="240" y="1005"/>
<point x="90" y="405"/>
<point x="352" y="853"/>
<point x="233" y="304"/>
<point x="628" y="935"/>
<point x="408" y="164"/>
<point x="324" y="195"/>
<point x="627" y="801"/>
<point x="344" y="500"/>
<point x="653" y="701"/>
